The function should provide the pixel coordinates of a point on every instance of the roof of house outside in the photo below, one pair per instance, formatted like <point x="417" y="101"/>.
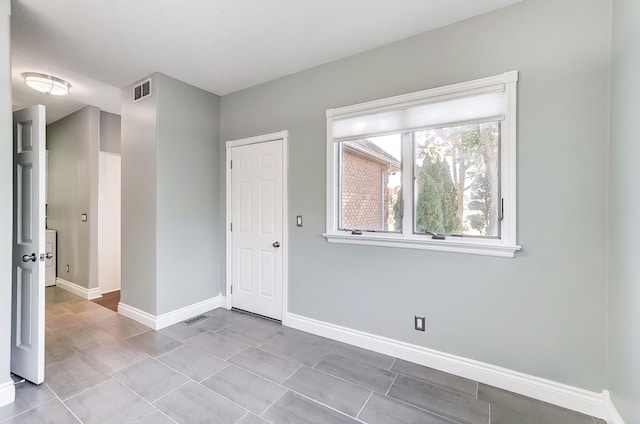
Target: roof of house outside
<point x="368" y="148"/>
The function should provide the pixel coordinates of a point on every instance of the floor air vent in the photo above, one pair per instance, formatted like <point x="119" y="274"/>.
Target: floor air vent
<point x="142" y="90"/>
<point x="195" y="319"/>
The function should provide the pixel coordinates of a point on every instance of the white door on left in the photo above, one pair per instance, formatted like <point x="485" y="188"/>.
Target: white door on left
<point x="27" y="304"/>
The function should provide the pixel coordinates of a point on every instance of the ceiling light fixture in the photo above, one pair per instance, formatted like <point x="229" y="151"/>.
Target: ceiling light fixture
<point x="46" y="84"/>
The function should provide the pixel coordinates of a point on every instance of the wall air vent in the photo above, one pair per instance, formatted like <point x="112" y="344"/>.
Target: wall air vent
<point x="141" y="90"/>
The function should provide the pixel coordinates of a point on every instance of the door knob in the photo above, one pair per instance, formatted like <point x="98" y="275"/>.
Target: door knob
<point x="276" y="244"/>
<point x="29" y="258"/>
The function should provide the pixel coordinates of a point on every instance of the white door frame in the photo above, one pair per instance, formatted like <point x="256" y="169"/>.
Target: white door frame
<point x="284" y="136"/>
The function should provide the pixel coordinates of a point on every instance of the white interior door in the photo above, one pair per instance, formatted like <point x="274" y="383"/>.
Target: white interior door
<point x="257" y="228"/>
<point x="109" y="255"/>
<point x="27" y="305"/>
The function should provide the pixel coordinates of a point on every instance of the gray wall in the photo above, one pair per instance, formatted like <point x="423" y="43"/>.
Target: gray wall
<point x="6" y="192"/>
<point x="542" y="312"/>
<point x="73" y="144"/>
<point x="170" y="249"/>
<point x="624" y="198"/>
<point x="138" y="202"/>
<point x="187" y="189"/>
<point x="109" y="132"/>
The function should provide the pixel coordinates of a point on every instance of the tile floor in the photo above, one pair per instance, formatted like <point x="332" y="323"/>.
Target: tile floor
<point x="235" y="368"/>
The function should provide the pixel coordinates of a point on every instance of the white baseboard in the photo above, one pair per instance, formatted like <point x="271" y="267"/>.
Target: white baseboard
<point x="164" y="320"/>
<point x="613" y="416"/>
<point x="78" y="290"/>
<point x="7" y="393"/>
<point x="563" y="395"/>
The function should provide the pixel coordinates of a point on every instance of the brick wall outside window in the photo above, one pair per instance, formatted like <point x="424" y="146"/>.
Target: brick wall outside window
<point x="364" y="187"/>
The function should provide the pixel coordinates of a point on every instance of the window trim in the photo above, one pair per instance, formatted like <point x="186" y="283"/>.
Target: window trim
<point x="506" y="245"/>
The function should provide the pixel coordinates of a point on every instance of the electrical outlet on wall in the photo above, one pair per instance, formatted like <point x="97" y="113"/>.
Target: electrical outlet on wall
<point x="419" y="323"/>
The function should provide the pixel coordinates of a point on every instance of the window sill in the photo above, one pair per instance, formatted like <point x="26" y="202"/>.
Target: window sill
<point x="453" y="245"/>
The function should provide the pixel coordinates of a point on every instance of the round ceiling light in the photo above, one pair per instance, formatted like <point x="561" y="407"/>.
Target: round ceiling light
<point x="46" y="84"/>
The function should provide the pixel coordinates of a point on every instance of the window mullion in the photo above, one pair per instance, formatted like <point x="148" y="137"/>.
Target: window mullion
<point x="407" y="184"/>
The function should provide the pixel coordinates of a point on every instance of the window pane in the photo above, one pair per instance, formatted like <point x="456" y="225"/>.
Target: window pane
<point x="456" y="188"/>
<point x="370" y="184"/>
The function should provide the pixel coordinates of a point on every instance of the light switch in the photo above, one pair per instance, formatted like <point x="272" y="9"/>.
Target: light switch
<point x="84" y="217"/>
<point x="299" y="221"/>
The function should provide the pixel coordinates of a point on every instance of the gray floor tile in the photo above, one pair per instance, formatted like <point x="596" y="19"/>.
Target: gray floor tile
<point x="78" y="373"/>
<point x="54" y="294"/>
<point x="182" y="331"/>
<point x="215" y="323"/>
<point x="364" y="375"/>
<point x="251" y="419"/>
<point x="329" y="390"/>
<point x="246" y="389"/>
<point x="227" y="314"/>
<point x="55" y="348"/>
<point x="361" y="355"/>
<point x="64" y="322"/>
<point x="195" y="404"/>
<point x="53" y="310"/>
<point x="28" y="396"/>
<point x="307" y="338"/>
<point x="384" y="410"/>
<point x="52" y="412"/>
<point x="294" y="349"/>
<point x="194" y="363"/>
<point x="83" y="338"/>
<point x="155" y="417"/>
<point x="450" y="404"/>
<point x="254" y="331"/>
<point x="112" y="357"/>
<point x="508" y="408"/>
<point x="430" y="375"/>
<point x="110" y="402"/>
<point x="124" y="328"/>
<point x="218" y="345"/>
<point x="80" y="305"/>
<point x="265" y="364"/>
<point x="292" y="408"/>
<point x="154" y="343"/>
<point x="72" y="376"/>
<point x="100" y="315"/>
<point x="150" y="379"/>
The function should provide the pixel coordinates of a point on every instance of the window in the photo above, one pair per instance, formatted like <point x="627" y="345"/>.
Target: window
<point x="431" y="170"/>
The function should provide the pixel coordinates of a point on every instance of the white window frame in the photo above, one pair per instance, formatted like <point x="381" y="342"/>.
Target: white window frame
<point x="505" y="246"/>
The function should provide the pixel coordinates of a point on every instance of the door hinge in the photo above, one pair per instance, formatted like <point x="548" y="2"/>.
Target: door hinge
<point x="501" y="209"/>
<point x="231" y="226"/>
<point x="231" y="164"/>
<point x="231" y="289"/>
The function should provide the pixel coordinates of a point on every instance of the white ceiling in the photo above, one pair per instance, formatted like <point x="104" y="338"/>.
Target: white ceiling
<point x="221" y="46"/>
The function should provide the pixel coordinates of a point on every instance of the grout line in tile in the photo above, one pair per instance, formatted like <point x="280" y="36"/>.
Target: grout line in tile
<point x="392" y="364"/>
<point x="230" y="400"/>
<point x="364" y="404"/>
<point x="240" y="419"/>
<point x="342" y="379"/>
<point x="286" y="390"/>
<point x="423" y="409"/>
<point x="327" y="406"/>
<point x="391" y="385"/>
<point x="169" y="392"/>
<point x="173" y="369"/>
<point x="134" y="392"/>
<point x="168" y="417"/>
<point x="295" y="371"/>
<point x="131" y="364"/>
